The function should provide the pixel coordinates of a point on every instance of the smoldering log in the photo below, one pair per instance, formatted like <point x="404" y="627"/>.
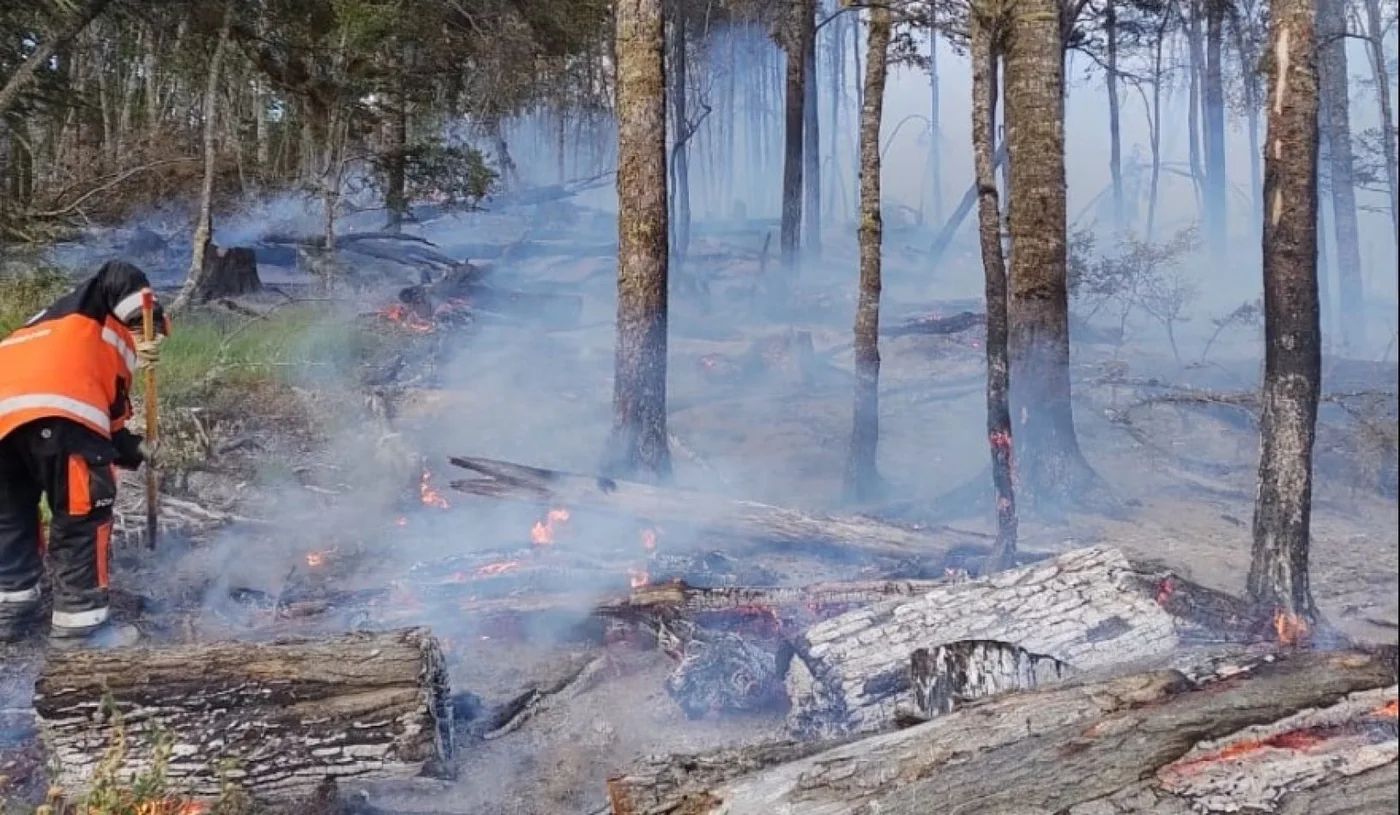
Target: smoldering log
<point x="1149" y="742"/>
<point x="746" y="520"/>
<point x="276" y="718"/>
<point x="1083" y="608"/>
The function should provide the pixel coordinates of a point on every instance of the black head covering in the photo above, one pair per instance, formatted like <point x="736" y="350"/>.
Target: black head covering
<point x="115" y="290"/>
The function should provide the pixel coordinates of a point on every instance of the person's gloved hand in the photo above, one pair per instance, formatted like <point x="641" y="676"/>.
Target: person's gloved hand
<point x="132" y="450"/>
<point x="148" y="352"/>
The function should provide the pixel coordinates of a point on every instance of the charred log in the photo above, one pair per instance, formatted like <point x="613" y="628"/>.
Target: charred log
<point x="747" y="520"/>
<point x="1150" y="742"/>
<point x="966" y="670"/>
<point x="287" y="714"/>
<point x="936" y="326"/>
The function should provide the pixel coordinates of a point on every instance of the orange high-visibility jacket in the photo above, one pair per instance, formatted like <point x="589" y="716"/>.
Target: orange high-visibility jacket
<point x="68" y="365"/>
<point x="75" y="359"/>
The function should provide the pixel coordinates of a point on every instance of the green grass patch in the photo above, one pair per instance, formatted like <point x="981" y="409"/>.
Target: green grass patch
<point x="24" y="294"/>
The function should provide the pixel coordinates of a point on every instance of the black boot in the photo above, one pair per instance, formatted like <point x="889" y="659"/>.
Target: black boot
<point x="19" y="612"/>
<point x="101" y="636"/>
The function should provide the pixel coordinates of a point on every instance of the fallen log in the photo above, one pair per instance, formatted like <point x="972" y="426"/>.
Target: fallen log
<point x="936" y="326"/>
<point x="747" y="520"/>
<point x="1084" y="608"/>
<point x="1266" y="736"/>
<point x="277" y="719"/>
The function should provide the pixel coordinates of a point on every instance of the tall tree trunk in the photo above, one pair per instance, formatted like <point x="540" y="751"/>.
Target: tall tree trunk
<point x="1217" y="183"/>
<point x="834" y="124"/>
<point x="204" y="226"/>
<point x="1195" y="68"/>
<point x="811" y="150"/>
<point x="799" y="24"/>
<point x="638" y="447"/>
<point x="396" y="190"/>
<point x="1335" y="116"/>
<point x="935" y="124"/>
<point x="984" y="24"/>
<point x="1115" y="137"/>
<point x="680" y="157"/>
<point x="1155" y="126"/>
<point x="1243" y="18"/>
<point x="862" y="478"/>
<point x="1278" y="573"/>
<point x="1052" y="467"/>
<point x="1375" y="49"/>
<point x="860" y="96"/>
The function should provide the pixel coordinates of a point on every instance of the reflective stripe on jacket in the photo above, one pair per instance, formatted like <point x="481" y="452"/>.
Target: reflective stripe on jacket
<point x="68" y="365"/>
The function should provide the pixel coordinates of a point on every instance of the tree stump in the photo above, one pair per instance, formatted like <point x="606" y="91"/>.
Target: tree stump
<point x="277" y="718"/>
<point x="228" y="272"/>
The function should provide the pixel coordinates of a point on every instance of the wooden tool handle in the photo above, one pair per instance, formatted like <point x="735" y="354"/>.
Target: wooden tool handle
<point x="148" y="331"/>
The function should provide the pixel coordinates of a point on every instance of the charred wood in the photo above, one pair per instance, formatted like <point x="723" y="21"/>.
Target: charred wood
<point x="1150" y="742"/>
<point x="285" y="715"/>
<point x="936" y="325"/>
<point x="747" y="520"/>
<point x="966" y="670"/>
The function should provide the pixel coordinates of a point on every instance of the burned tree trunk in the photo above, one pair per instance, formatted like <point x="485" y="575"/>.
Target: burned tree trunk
<point x="1335" y="115"/>
<point x="811" y="148"/>
<point x="204" y="226"/>
<point x="1084" y="608"/>
<point x="1279" y="735"/>
<point x="985" y="31"/>
<point x="396" y="162"/>
<point x="1052" y="468"/>
<point x="227" y="273"/>
<point x="862" y="477"/>
<point x="1115" y="134"/>
<point x="285" y="715"/>
<point x="1278" y="573"/>
<point x="800" y="19"/>
<point x="637" y="446"/>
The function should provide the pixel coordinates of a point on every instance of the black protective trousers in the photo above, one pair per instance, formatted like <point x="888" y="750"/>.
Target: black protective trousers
<point x="74" y="467"/>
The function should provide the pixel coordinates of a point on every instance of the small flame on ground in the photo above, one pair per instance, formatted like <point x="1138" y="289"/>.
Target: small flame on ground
<point x="543" y="532"/>
<point x="638" y="578"/>
<point x="1291" y="740"/>
<point x="170" y="806"/>
<point x="405" y="316"/>
<point x="314" y="559"/>
<point x="1290" y="628"/>
<point x="1387" y="710"/>
<point x="430" y="496"/>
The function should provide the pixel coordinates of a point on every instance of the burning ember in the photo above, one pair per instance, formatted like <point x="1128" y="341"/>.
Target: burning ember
<point x="638" y="578"/>
<point x="1291" y="629"/>
<point x="403" y="315"/>
<point x="430" y="496"/>
<point x="315" y="559"/>
<point x="543" y="532"/>
<point x="1387" y="710"/>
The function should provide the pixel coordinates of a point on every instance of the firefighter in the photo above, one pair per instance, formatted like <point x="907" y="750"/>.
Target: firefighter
<point x="65" y="384"/>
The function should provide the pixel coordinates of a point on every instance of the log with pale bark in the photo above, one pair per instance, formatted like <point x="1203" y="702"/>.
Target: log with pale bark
<point x="1295" y="732"/>
<point x="728" y="517"/>
<point x="1086" y="608"/>
<point x="276" y="718"/>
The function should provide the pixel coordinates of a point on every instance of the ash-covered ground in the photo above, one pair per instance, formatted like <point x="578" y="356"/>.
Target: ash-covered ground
<point x="760" y="392"/>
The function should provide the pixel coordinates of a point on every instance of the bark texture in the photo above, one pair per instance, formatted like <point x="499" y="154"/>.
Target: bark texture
<point x="811" y="150"/>
<point x="985" y="30"/>
<point x="1213" y="108"/>
<point x="951" y="675"/>
<point x="227" y="273"/>
<point x="1335" y="121"/>
<point x="204" y="223"/>
<point x="744" y="520"/>
<point x="1082" y="608"/>
<point x="799" y="23"/>
<point x="1278" y="573"/>
<point x="1092" y="748"/>
<point x="638" y="444"/>
<point x="1052" y="468"/>
<point x="862" y="478"/>
<point x="287" y="715"/>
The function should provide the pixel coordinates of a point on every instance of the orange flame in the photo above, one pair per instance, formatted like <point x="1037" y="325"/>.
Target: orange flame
<point x="430" y="496"/>
<point x="638" y="578"/>
<point x="405" y="316"/>
<point x="1291" y="740"/>
<point x="1291" y="629"/>
<point x="170" y="806"/>
<point x="542" y="533"/>
<point x="1387" y="710"/>
<point x="314" y="559"/>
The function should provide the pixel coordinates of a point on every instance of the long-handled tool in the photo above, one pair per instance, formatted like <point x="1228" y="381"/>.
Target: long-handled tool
<point x="148" y="331"/>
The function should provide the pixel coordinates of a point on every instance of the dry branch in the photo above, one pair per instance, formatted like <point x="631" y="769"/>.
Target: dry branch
<point x="276" y="718"/>
<point x="748" y="520"/>
<point x="1073" y="748"/>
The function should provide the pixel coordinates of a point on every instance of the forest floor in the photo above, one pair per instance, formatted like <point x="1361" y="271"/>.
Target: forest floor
<point x="752" y="424"/>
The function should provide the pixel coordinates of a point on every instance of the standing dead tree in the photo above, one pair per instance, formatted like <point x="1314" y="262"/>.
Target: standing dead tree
<point x="638" y="444"/>
<point x="862" y="479"/>
<point x="799" y="25"/>
<point x="1278" y="574"/>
